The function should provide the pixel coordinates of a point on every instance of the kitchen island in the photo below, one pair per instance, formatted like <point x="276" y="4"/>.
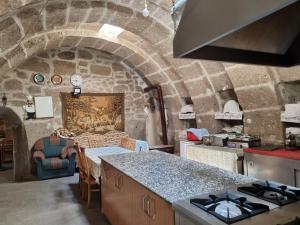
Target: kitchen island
<point x="140" y="188"/>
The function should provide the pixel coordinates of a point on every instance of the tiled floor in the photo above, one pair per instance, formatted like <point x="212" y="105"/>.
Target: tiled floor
<point x="50" y="202"/>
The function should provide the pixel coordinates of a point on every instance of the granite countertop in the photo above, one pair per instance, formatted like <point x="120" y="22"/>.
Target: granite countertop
<point x="173" y="178"/>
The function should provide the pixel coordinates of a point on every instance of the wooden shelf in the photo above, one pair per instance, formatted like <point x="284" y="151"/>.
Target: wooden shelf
<point x="229" y="116"/>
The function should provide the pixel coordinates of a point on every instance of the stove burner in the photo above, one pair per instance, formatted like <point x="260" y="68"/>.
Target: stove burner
<point x="279" y="195"/>
<point x="274" y="195"/>
<point x="229" y="208"/>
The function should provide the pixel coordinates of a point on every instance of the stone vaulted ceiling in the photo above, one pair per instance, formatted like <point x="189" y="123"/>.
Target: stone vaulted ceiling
<point x="28" y="27"/>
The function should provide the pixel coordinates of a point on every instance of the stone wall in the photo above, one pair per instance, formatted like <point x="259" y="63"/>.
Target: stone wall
<point x="101" y="73"/>
<point x="146" y="46"/>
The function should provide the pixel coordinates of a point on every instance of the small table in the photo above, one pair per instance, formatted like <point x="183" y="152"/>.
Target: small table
<point x="92" y="155"/>
<point x="163" y="148"/>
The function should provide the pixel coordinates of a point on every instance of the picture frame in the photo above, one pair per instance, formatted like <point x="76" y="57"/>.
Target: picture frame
<point x="44" y="107"/>
<point x="93" y="112"/>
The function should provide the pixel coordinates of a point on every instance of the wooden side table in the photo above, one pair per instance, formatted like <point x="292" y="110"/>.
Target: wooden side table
<point x="163" y="148"/>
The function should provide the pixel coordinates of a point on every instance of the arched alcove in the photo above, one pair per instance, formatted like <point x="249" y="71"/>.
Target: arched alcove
<point x="21" y="153"/>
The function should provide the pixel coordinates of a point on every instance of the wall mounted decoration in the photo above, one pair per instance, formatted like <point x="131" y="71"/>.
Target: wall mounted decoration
<point x="56" y="79"/>
<point x="76" y="80"/>
<point x="76" y="92"/>
<point x="43" y="107"/>
<point x="96" y="113"/>
<point x="39" y="78"/>
<point x="29" y="108"/>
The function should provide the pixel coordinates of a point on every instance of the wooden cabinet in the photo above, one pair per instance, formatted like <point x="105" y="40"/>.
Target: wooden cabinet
<point x="126" y="202"/>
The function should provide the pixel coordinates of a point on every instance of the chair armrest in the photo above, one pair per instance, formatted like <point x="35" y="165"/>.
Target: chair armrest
<point x="71" y="151"/>
<point x="38" y="156"/>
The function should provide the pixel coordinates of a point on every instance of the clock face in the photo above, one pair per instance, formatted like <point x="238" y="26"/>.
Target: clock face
<point x="76" y="80"/>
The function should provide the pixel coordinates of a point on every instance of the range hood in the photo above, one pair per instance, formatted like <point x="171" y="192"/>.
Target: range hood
<point x="264" y="32"/>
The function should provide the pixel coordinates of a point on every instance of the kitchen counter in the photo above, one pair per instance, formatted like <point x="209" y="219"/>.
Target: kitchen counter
<point x="281" y="153"/>
<point x="173" y="178"/>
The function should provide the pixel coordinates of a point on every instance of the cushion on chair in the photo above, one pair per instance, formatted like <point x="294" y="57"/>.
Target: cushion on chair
<point x="96" y="141"/>
<point x="128" y="143"/>
<point x="64" y="152"/>
<point x="53" y="146"/>
<point x="83" y="141"/>
<point x="113" y="138"/>
<point x="55" y="163"/>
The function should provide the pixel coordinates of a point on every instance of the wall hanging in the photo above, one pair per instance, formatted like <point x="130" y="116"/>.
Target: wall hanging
<point x="97" y="113"/>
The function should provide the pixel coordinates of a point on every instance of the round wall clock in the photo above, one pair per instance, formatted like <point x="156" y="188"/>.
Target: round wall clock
<point x="76" y="80"/>
<point x="39" y="78"/>
<point x="56" y="79"/>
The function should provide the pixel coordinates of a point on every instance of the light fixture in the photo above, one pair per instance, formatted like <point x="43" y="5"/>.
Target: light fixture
<point x="146" y="12"/>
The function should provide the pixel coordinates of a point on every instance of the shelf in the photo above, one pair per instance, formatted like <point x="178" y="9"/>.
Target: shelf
<point x="229" y="116"/>
<point x="289" y="119"/>
<point x="187" y="116"/>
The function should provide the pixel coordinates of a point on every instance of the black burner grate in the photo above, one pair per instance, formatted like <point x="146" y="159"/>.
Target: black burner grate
<point x="277" y="194"/>
<point x="236" y="208"/>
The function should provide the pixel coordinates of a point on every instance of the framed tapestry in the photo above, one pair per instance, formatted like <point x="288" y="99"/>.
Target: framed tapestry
<point x="95" y="113"/>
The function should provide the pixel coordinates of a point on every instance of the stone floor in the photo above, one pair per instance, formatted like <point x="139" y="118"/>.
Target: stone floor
<point x="49" y="202"/>
<point x="7" y="176"/>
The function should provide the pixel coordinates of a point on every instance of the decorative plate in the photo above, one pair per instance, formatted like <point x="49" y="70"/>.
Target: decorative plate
<point x="39" y="78"/>
<point x="56" y="79"/>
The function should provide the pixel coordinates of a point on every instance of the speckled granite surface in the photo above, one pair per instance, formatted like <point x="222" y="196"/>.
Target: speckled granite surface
<point x="173" y="178"/>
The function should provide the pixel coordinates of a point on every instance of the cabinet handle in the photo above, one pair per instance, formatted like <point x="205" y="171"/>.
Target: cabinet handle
<point x="120" y="181"/>
<point x="152" y="210"/>
<point x="148" y="207"/>
<point x="144" y="205"/>
<point x="116" y="181"/>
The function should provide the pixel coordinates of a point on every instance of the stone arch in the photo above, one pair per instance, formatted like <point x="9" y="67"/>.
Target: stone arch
<point x="21" y="153"/>
<point x="256" y="88"/>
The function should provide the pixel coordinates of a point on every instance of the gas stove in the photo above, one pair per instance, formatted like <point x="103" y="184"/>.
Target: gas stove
<point x="229" y="208"/>
<point x="278" y="194"/>
<point x="265" y="203"/>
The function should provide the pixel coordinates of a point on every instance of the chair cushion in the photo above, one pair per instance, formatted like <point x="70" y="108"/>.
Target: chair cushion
<point x="53" y="146"/>
<point x="128" y="143"/>
<point x="64" y="152"/>
<point x="55" y="163"/>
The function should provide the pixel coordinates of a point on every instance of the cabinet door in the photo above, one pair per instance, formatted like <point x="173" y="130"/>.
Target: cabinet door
<point x="140" y="205"/>
<point x="109" y="193"/>
<point x="161" y="212"/>
<point x="151" y="209"/>
<point x="123" y="206"/>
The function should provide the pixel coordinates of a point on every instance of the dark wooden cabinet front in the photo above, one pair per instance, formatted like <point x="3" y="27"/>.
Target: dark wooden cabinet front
<point x="126" y="202"/>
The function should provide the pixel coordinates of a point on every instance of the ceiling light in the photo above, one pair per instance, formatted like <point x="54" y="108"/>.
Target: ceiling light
<point x="110" y="31"/>
<point x="146" y="12"/>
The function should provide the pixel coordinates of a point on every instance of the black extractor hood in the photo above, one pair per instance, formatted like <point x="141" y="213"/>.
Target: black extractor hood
<point x="264" y="32"/>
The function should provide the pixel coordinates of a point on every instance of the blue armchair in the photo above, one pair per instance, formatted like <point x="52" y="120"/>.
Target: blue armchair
<point x="54" y="157"/>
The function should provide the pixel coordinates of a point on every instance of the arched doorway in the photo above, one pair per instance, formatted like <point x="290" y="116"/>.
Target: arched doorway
<point x="21" y="154"/>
